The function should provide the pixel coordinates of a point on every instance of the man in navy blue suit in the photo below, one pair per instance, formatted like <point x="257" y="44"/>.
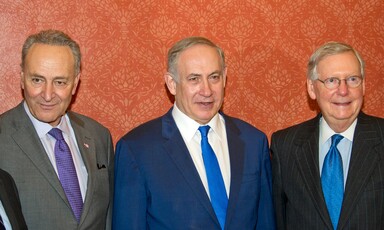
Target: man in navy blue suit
<point x="161" y="177"/>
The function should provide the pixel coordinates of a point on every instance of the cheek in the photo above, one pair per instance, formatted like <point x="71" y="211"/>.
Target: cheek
<point x="31" y="92"/>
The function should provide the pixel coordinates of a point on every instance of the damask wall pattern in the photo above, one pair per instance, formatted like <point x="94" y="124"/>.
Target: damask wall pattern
<point x="267" y="45"/>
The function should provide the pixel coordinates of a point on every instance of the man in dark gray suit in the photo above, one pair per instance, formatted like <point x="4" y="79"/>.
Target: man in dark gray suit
<point x="61" y="161"/>
<point x="10" y="208"/>
<point x="328" y="172"/>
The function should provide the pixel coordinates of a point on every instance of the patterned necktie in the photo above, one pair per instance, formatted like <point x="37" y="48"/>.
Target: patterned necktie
<point x="216" y="185"/>
<point x="2" y="227"/>
<point x="67" y="173"/>
<point x="332" y="180"/>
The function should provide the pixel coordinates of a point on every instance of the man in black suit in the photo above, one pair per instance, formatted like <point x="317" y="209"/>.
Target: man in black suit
<point x="10" y="208"/>
<point x="304" y="187"/>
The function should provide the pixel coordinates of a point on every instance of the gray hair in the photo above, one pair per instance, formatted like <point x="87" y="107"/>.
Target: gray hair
<point x="180" y="46"/>
<point x="328" y="49"/>
<point x="52" y="37"/>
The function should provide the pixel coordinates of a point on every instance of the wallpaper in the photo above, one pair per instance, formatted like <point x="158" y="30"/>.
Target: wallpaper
<point x="124" y="45"/>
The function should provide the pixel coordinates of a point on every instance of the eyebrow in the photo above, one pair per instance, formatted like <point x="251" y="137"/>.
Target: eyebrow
<point x="216" y="72"/>
<point x="41" y="76"/>
<point x="199" y="75"/>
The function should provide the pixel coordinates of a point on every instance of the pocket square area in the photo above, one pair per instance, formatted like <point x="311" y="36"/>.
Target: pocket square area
<point x="100" y="166"/>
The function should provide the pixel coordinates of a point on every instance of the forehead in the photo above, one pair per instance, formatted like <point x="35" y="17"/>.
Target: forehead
<point x="49" y="55"/>
<point x="343" y="62"/>
<point x="199" y="56"/>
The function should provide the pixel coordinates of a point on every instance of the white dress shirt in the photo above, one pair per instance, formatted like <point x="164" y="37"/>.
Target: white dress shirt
<point x="48" y="142"/>
<point x="217" y="138"/>
<point x="344" y="146"/>
<point x="4" y="216"/>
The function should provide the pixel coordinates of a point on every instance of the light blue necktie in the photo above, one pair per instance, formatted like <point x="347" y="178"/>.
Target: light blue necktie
<point x="67" y="173"/>
<point x="332" y="180"/>
<point x="216" y="185"/>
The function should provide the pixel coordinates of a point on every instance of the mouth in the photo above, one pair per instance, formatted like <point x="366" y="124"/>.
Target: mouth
<point x="205" y="103"/>
<point x="341" y="103"/>
<point x="47" y="106"/>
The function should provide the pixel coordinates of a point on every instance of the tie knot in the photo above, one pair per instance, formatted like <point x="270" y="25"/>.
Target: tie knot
<point x="204" y="130"/>
<point x="336" y="138"/>
<point x="56" y="133"/>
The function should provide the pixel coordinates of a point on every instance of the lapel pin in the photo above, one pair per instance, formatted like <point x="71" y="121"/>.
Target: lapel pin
<point x="86" y="145"/>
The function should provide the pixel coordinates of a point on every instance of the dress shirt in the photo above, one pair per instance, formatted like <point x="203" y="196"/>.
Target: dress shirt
<point x="217" y="138"/>
<point x="4" y="216"/>
<point x="344" y="146"/>
<point x="48" y="142"/>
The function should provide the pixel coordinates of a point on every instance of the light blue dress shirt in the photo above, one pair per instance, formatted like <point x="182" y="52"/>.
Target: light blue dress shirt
<point x="344" y="147"/>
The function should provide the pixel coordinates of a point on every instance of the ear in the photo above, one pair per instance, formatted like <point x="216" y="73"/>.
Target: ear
<point x="22" y="79"/>
<point x="363" y="83"/>
<point x="225" y="75"/>
<point x="76" y="83"/>
<point x="170" y="82"/>
<point x="311" y="89"/>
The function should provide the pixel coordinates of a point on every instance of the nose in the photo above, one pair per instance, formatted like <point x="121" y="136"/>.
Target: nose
<point x="48" y="91"/>
<point x="206" y="88"/>
<point x="343" y="87"/>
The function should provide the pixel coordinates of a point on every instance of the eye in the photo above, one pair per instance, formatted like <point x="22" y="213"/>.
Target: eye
<point x="37" y="80"/>
<point x="332" y="80"/>
<point x="60" y="82"/>
<point x="214" y="77"/>
<point x="353" y="79"/>
<point x="193" y="78"/>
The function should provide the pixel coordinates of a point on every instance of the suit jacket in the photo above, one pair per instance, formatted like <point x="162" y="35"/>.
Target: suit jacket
<point x="298" y="196"/>
<point x="44" y="202"/>
<point x="158" y="187"/>
<point x="10" y="199"/>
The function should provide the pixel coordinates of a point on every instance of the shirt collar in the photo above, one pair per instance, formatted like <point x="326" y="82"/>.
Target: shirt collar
<point x="326" y="132"/>
<point x="188" y="126"/>
<point x="43" y="128"/>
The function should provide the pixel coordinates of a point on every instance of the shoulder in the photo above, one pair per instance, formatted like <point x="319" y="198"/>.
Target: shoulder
<point x="242" y="127"/>
<point x="363" y="117"/>
<point x="297" y="129"/>
<point x="86" y="122"/>
<point x="14" y="114"/>
<point x="369" y="122"/>
<point x="146" y="131"/>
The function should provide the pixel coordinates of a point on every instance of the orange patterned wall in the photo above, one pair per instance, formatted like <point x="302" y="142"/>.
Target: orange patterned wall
<point x="124" y="45"/>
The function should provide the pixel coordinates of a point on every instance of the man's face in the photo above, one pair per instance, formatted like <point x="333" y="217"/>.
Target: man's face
<point x="48" y="81"/>
<point x="199" y="92"/>
<point x="339" y="106"/>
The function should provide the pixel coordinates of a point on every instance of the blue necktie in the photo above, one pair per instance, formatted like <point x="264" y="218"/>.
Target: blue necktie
<point x="332" y="180"/>
<point x="216" y="185"/>
<point x="2" y="227"/>
<point x="67" y="173"/>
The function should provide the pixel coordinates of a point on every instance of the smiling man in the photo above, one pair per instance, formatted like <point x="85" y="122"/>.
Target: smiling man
<point x="53" y="154"/>
<point x="194" y="168"/>
<point x="328" y="172"/>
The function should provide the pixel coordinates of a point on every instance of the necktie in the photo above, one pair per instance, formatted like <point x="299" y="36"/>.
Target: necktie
<point x="216" y="185"/>
<point x="332" y="180"/>
<point x="67" y="172"/>
<point x="2" y="227"/>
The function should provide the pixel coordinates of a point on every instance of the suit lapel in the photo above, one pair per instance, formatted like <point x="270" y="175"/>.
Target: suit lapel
<point x="178" y="152"/>
<point x="365" y="156"/>
<point x="307" y="158"/>
<point x="87" y="149"/>
<point x="27" y="139"/>
<point x="236" y="156"/>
